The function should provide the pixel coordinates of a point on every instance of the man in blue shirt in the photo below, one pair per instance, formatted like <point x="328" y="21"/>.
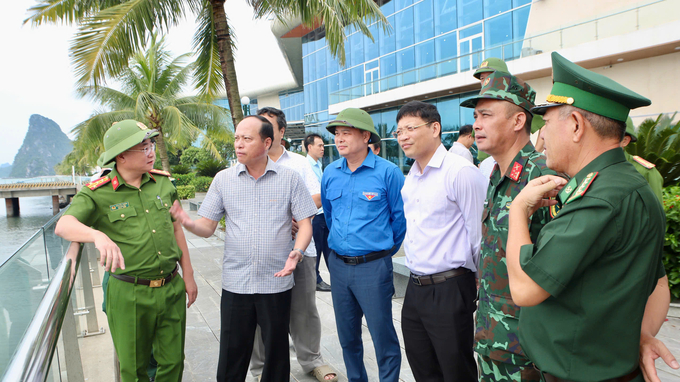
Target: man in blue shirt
<point x="361" y="198"/>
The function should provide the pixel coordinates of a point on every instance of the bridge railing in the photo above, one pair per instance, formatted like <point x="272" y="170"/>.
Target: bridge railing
<point x="43" y="306"/>
<point x="47" y="179"/>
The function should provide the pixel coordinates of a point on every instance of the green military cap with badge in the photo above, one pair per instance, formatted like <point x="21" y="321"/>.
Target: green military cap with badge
<point x="122" y="136"/>
<point x="357" y="119"/>
<point x="504" y="86"/>
<point x="590" y="91"/>
<point x="491" y="64"/>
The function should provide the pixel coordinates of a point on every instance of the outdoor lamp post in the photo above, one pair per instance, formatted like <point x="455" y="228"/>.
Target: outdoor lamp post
<point x="245" y="104"/>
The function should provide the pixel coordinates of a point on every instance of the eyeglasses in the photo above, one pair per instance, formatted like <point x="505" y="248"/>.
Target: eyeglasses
<point x="148" y="149"/>
<point x="408" y="129"/>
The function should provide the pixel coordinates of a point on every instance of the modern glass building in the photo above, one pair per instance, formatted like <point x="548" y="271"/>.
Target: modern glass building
<point x="434" y="45"/>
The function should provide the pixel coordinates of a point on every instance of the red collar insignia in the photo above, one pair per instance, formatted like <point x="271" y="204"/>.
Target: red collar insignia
<point x="516" y="171"/>
<point x="115" y="183"/>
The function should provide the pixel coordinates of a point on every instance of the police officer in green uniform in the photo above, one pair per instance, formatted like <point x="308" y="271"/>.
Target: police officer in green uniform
<point x="592" y="287"/>
<point x="645" y="168"/>
<point x="126" y="215"/>
<point x="489" y="66"/>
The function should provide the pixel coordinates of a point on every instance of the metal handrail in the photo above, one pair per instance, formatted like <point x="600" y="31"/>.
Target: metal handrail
<point x="33" y="357"/>
<point x="30" y="239"/>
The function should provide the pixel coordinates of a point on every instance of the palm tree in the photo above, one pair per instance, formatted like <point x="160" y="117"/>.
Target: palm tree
<point x="151" y="85"/>
<point x="110" y="31"/>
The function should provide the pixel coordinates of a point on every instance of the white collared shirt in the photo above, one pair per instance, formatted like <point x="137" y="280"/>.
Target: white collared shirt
<point x="300" y="164"/>
<point x="460" y="149"/>
<point x="443" y="207"/>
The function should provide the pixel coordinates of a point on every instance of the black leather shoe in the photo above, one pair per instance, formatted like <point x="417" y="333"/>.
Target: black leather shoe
<point x="323" y="287"/>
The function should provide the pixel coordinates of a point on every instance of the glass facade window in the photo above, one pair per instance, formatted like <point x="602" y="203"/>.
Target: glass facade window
<point x="428" y="39"/>
<point x="469" y="11"/>
<point x="425" y="60"/>
<point x="424" y="20"/>
<point x="404" y="28"/>
<point x="494" y="7"/>
<point x="445" y="19"/>
<point x="498" y="31"/>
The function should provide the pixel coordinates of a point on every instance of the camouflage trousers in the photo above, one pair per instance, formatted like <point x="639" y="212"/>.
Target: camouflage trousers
<point x="495" y="371"/>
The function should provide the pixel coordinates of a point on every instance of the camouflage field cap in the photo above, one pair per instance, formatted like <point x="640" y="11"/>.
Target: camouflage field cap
<point x="491" y="64"/>
<point x="357" y="119"/>
<point x="504" y="87"/>
<point x="122" y="136"/>
<point x="590" y="91"/>
<point x="630" y="130"/>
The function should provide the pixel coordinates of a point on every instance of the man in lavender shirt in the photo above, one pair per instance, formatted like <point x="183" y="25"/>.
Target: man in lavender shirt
<point x="443" y="203"/>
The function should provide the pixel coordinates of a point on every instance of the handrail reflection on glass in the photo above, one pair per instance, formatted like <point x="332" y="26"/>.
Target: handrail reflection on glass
<point x="33" y="357"/>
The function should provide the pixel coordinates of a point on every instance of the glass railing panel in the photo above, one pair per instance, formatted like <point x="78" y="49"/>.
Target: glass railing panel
<point x="23" y="282"/>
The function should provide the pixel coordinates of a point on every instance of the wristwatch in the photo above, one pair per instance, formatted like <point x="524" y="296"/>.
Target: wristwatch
<point x="301" y="252"/>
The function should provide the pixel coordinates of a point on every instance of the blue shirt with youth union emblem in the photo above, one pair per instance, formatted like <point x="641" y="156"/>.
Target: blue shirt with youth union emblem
<point x="363" y="209"/>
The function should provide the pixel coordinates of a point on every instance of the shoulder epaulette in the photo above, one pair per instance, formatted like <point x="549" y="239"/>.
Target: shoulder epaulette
<point x="160" y="172"/>
<point x="582" y="188"/>
<point x="98" y="183"/>
<point x="644" y="163"/>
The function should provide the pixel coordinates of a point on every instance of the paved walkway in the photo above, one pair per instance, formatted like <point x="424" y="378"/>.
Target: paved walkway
<point x="203" y="328"/>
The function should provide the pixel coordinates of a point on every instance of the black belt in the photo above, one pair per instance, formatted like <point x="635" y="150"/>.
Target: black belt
<point x="354" y="260"/>
<point x="438" y="277"/>
<point x="150" y="283"/>
<point x="626" y="378"/>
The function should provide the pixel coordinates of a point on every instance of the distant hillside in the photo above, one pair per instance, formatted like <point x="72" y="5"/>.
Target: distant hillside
<point x="44" y="146"/>
<point x="5" y="170"/>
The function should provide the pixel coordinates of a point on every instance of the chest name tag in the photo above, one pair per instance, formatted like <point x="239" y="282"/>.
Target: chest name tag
<point x="119" y="206"/>
<point x="370" y="195"/>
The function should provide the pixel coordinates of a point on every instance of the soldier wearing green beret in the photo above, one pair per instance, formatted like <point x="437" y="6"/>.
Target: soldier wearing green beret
<point x="126" y="215"/>
<point x="592" y="286"/>
<point x="502" y="126"/>
<point x="645" y="168"/>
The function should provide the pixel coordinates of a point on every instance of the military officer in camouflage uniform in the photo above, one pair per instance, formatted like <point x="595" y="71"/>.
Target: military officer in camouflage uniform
<point x="126" y="215"/>
<point x="592" y="286"/>
<point x="645" y="168"/>
<point x="502" y="129"/>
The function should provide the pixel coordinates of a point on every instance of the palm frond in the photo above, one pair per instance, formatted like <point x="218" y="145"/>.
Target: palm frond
<point x="107" y="40"/>
<point x="68" y="12"/>
<point x="208" y="78"/>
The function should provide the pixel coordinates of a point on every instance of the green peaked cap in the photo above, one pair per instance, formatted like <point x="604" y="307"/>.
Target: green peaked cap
<point x="504" y="87"/>
<point x="630" y="130"/>
<point x="491" y="64"/>
<point x="122" y="136"/>
<point x="590" y="91"/>
<point x="357" y="119"/>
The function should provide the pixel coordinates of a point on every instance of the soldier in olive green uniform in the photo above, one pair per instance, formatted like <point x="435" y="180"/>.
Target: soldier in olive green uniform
<point x="586" y="281"/>
<point x="502" y="128"/>
<point x="645" y="168"/>
<point x="128" y="212"/>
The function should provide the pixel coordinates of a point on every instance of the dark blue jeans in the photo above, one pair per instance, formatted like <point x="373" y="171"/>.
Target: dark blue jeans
<point x="320" y="235"/>
<point x="365" y="290"/>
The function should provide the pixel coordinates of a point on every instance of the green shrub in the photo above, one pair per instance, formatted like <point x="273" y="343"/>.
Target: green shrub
<point x="210" y="167"/>
<point x="671" y="245"/>
<point x="185" y="179"/>
<point x="186" y="192"/>
<point x="659" y="142"/>
<point x="180" y="169"/>
<point x="202" y="183"/>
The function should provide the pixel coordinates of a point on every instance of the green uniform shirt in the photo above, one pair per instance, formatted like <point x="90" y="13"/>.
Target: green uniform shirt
<point x="652" y="175"/>
<point x="136" y="219"/>
<point x="600" y="259"/>
<point x="496" y="334"/>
